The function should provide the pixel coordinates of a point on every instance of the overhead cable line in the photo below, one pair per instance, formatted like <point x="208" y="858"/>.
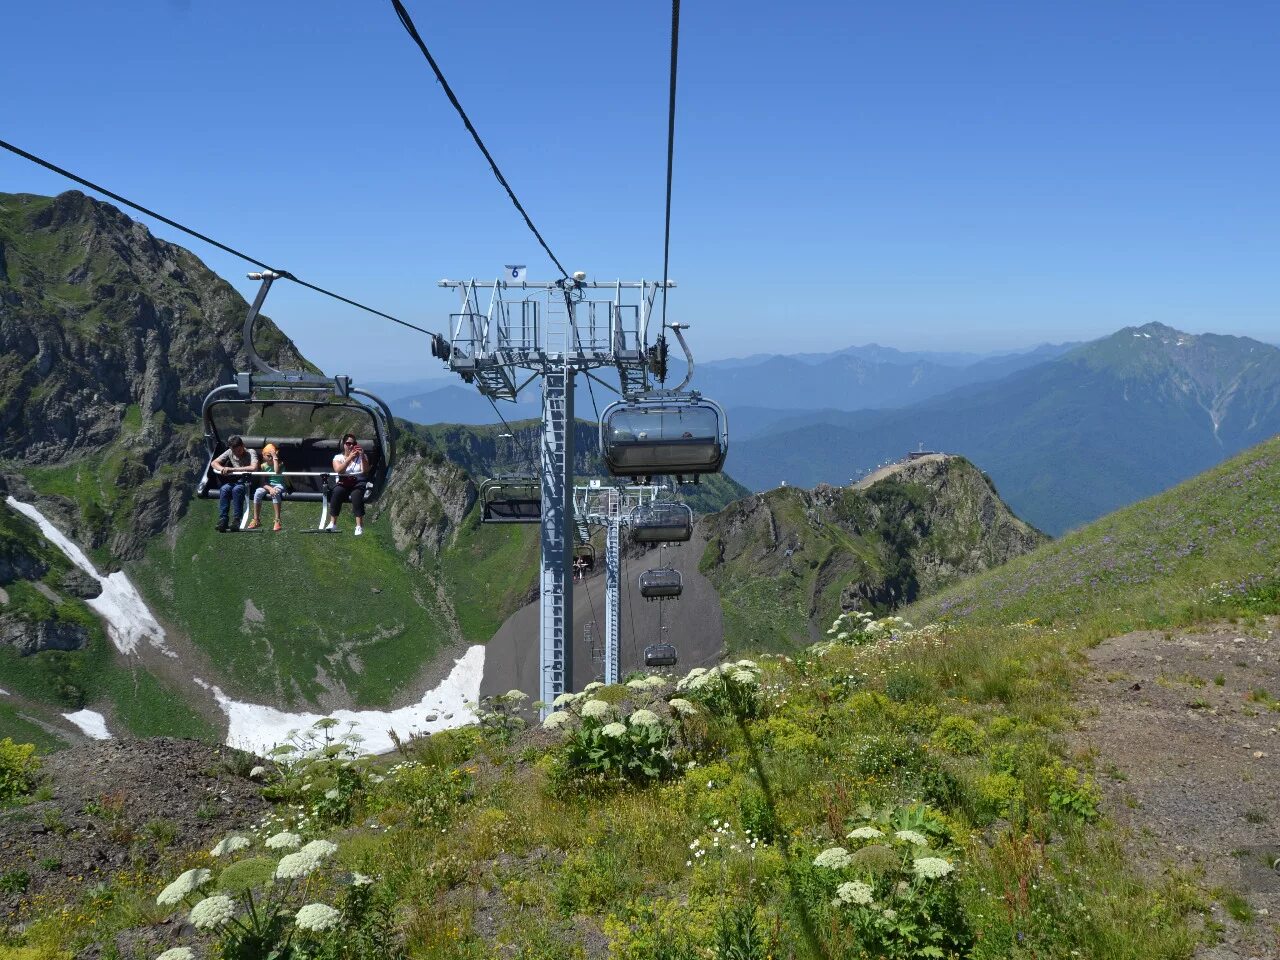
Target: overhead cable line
<point x="671" y="147"/>
<point x="200" y="236"/>
<point x="407" y="21"/>
<point x="524" y="450"/>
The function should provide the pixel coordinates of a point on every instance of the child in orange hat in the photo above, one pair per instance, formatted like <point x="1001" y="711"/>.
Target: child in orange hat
<point x="273" y="488"/>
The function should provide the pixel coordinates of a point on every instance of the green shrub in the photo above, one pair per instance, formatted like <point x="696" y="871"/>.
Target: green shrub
<point x="18" y="767"/>
<point x="1071" y="792"/>
<point x="956" y="734"/>
<point x="637" y="752"/>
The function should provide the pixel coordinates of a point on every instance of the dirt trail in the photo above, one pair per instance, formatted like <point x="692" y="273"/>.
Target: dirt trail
<point x="888" y="471"/>
<point x="1183" y="726"/>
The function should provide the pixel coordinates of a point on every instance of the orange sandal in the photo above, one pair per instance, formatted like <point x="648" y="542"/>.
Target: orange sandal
<point x="253" y="525"/>
<point x="276" y="528"/>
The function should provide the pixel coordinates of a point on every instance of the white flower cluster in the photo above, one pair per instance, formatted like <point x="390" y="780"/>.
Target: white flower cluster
<point x="515" y="696"/>
<point x="644" y="718"/>
<point x="317" y="917"/>
<point x="183" y="887"/>
<point x="853" y="893"/>
<point x="306" y="861"/>
<point x="614" y="730"/>
<point x="700" y="679"/>
<point x="911" y="836"/>
<point x="229" y="845"/>
<point x="865" y="833"/>
<point x="595" y="709"/>
<point x="177" y="953"/>
<point x="724" y="840"/>
<point x="213" y="913"/>
<point x="931" y="868"/>
<point x="683" y="707"/>
<point x="284" y="840"/>
<point x="833" y="858"/>
<point x="556" y="720"/>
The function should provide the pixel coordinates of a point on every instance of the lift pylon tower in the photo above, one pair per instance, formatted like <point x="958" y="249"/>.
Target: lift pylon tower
<point x="553" y="330"/>
<point x="611" y="506"/>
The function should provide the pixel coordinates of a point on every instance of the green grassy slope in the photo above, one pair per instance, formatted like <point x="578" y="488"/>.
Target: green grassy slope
<point x="1150" y="563"/>
<point x="287" y="615"/>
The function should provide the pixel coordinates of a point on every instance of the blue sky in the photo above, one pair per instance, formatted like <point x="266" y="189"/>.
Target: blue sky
<point x="928" y="176"/>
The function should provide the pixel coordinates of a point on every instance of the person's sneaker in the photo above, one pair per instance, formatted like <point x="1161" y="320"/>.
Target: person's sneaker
<point x="253" y="524"/>
<point x="331" y="528"/>
<point x="276" y="528"/>
<point x="221" y="528"/>
<point x="359" y="531"/>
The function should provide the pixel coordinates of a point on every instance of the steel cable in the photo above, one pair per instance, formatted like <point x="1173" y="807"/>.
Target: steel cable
<point x="203" y="237"/>
<point x="407" y="22"/>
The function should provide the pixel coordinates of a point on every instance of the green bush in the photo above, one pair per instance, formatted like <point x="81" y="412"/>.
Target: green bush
<point x="1071" y="792"/>
<point x="956" y="734"/>
<point x="18" y="767"/>
<point x="637" y="752"/>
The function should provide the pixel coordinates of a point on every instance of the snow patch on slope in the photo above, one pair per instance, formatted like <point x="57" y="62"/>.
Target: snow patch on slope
<point x="259" y="728"/>
<point x="91" y="724"/>
<point x="129" y="622"/>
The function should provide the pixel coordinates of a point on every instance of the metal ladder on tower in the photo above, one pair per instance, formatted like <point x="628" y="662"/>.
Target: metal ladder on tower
<point x="555" y="635"/>
<point x="613" y="536"/>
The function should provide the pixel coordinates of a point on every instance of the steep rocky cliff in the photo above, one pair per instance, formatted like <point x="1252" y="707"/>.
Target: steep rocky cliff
<point x="109" y="340"/>
<point x="785" y="562"/>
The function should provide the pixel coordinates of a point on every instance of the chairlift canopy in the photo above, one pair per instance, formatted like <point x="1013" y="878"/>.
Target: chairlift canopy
<point x="680" y="434"/>
<point x="511" y="499"/>
<point x="661" y="583"/>
<point x="660" y="655"/>
<point x="662" y="522"/>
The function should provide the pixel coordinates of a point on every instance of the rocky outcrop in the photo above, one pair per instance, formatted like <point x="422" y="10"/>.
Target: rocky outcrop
<point x="109" y="340"/>
<point x="29" y="637"/>
<point x="814" y="552"/>
<point x="426" y="501"/>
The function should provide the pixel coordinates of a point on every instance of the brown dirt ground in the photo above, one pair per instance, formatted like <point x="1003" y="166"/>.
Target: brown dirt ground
<point x="120" y="804"/>
<point x="1187" y="753"/>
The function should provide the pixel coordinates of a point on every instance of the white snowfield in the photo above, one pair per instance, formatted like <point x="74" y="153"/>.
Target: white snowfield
<point x="91" y="724"/>
<point x="128" y="620"/>
<point x="260" y="728"/>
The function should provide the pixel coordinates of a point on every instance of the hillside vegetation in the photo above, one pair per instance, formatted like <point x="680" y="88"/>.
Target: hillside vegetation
<point x="894" y="791"/>
<point x="788" y="561"/>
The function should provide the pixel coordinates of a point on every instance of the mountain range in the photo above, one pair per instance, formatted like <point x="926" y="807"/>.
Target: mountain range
<point x="1065" y="441"/>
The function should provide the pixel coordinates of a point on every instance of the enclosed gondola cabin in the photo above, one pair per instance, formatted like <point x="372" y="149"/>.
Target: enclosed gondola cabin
<point x="669" y="434"/>
<point x="660" y="655"/>
<point x="511" y="500"/>
<point x="662" y="523"/>
<point x="662" y="583"/>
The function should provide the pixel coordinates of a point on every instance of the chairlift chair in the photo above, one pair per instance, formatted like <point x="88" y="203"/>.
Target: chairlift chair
<point x="511" y="499"/>
<point x="660" y="655"/>
<point x="662" y="522"/>
<point x="661" y="583"/>
<point x="304" y="414"/>
<point x="584" y="554"/>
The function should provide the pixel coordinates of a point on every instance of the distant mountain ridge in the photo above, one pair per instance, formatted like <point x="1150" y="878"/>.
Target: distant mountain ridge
<point x="1107" y="423"/>
<point x="855" y="378"/>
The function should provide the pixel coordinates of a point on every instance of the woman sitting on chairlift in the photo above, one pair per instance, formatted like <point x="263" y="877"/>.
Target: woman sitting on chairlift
<point x="351" y="466"/>
<point x="274" y="487"/>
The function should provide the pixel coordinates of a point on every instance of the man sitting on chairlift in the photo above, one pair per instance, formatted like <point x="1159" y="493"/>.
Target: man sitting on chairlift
<point x="237" y="462"/>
